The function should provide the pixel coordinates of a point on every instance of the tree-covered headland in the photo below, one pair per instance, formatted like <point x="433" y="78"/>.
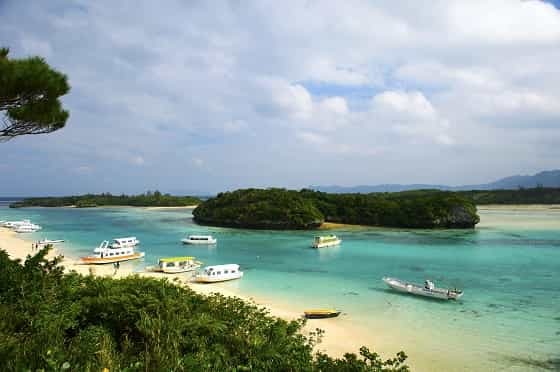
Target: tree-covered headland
<point x="306" y="209"/>
<point x="51" y="321"/>
<point x="148" y="199"/>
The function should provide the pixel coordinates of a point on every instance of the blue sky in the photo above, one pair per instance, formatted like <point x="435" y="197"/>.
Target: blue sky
<point x="201" y="97"/>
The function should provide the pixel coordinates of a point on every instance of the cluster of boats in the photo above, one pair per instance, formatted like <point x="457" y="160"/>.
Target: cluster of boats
<point x="23" y="226"/>
<point x="124" y="249"/>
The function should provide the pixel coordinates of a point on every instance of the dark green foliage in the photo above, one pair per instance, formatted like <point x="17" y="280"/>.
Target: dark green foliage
<point x="535" y="195"/>
<point x="53" y="321"/>
<point x="30" y="92"/>
<point x="260" y="209"/>
<point x="148" y="199"/>
<point x="288" y="209"/>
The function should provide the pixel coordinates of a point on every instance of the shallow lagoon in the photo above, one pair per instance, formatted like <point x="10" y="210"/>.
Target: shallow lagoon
<point x="508" y="319"/>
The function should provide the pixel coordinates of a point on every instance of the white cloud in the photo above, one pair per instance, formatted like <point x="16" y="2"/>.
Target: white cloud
<point x="334" y="105"/>
<point x="377" y="82"/>
<point x="412" y="104"/>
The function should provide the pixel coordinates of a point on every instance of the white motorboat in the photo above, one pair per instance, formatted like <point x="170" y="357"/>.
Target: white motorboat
<point x="49" y="241"/>
<point x="174" y="265"/>
<point x="325" y="241"/>
<point x="106" y="253"/>
<point x="428" y="290"/>
<point x="218" y="273"/>
<point x="125" y="242"/>
<point x="26" y="227"/>
<point x="199" y="239"/>
<point x="14" y="224"/>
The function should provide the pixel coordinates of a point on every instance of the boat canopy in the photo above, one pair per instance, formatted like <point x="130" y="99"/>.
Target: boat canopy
<point x="176" y="259"/>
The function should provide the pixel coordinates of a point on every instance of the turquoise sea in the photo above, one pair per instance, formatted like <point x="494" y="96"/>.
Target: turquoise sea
<point x="509" y="268"/>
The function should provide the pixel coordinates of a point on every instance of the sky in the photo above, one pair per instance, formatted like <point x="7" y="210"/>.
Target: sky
<point x="205" y="96"/>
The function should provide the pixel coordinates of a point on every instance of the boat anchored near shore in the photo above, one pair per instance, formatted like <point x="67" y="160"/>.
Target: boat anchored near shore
<point x="325" y="241"/>
<point x="174" y="265"/>
<point x="107" y="253"/>
<point x="428" y="290"/>
<point x="199" y="239"/>
<point x="49" y="241"/>
<point x="218" y="273"/>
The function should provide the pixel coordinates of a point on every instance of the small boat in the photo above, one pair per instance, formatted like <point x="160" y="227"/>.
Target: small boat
<point x="26" y="227"/>
<point x="48" y="241"/>
<point x="428" y="290"/>
<point x="218" y="273"/>
<point x="325" y="241"/>
<point x="105" y="254"/>
<point x="14" y="224"/>
<point x="321" y="313"/>
<point x="199" y="239"/>
<point x="125" y="242"/>
<point x="174" y="265"/>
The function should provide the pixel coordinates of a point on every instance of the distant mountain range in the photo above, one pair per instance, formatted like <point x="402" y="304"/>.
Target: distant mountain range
<point x="545" y="179"/>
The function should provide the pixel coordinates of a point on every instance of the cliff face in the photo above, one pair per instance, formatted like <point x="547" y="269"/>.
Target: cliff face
<point x="459" y="217"/>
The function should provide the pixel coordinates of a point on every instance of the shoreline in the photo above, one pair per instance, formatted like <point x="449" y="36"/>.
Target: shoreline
<point x="335" y="329"/>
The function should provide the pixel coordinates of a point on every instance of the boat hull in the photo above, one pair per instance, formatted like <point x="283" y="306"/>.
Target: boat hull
<point x="199" y="242"/>
<point x="326" y="244"/>
<point x="319" y="315"/>
<point x="179" y="270"/>
<point x="89" y="260"/>
<point x="216" y="279"/>
<point x="417" y="290"/>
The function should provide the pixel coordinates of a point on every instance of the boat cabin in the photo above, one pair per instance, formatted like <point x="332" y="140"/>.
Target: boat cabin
<point x="124" y="242"/>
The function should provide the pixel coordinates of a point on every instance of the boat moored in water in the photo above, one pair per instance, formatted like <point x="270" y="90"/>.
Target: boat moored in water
<point x="321" y="313"/>
<point x="325" y="241"/>
<point x="199" y="239"/>
<point x="106" y="253"/>
<point x="174" y="265"/>
<point x="428" y="290"/>
<point x="218" y="273"/>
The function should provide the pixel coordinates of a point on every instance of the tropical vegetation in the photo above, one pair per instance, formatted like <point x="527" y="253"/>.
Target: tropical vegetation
<point x="306" y="209"/>
<point x="534" y="195"/>
<point x="148" y="199"/>
<point x="30" y="92"/>
<point x="52" y="321"/>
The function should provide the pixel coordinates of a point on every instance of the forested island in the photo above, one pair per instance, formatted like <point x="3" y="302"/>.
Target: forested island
<point x="51" y="321"/>
<point x="148" y="199"/>
<point x="534" y="195"/>
<point x="307" y="209"/>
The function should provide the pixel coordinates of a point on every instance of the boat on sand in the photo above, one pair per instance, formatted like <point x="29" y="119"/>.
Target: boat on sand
<point x="321" y="313"/>
<point x="427" y="290"/>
